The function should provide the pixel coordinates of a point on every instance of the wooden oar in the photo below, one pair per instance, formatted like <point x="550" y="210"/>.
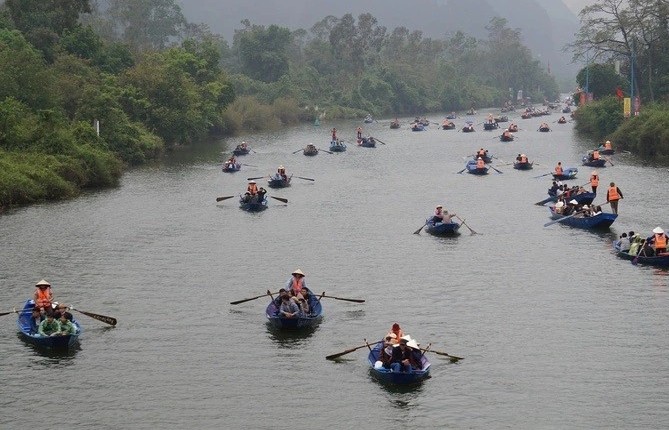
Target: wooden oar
<point x="253" y="179"/>
<point x="280" y="199"/>
<point x="340" y="298"/>
<point x="418" y="231"/>
<point x="378" y="140"/>
<point x="324" y="151"/>
<point x="496" y="170"/>
<point x="218" y="199"/>
<point x="13" y="311"/>
<point x="248" y="300"/>
<point x="609" y="160"/>
<point x="295" y="152"/>
<point x="306" y="179"/>
<point x="452" y="357"/>
<point x="248" y="165"/>
<point x="462" y="170"/>
<point x="348" y="351"/>
<point x="541" y="176"/>
<point x="105" y="319"/>
<point x="465" y="224"/>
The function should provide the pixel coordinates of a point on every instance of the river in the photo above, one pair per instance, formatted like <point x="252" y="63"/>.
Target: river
<point x="555" y="330"/>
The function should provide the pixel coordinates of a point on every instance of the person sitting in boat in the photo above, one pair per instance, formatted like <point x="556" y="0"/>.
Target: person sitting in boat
<point x="553" y="190"/>
<point x="481" y="152"/>
<point x="395" y="333"/>
<point x="303" y="304"/>
<point x="43" y="296"/>
<point x="359" y="132"/>
<point x="647" y="249"/>
<point x="593" y="155"/>
<point x="585" y="211"/>
<point x="480" y="164"/>
<point x="296" y="283"/>
<point x="558" y="169"/>
<point x="288" y="308"/>
<point x="50" y="326"/>
<point x="658" y="240"/>
<point x="403" y="358"/>
<point x="623" y="244"/>
<point x="281" y="171"/>
<point x="513" y="127"/>
<point x="261" y="194"/>
<point x="636" y="242"/>
<point x="559" y="206"/>
<point x="386" y="354"/>
<point x="66" y="325"/>
<point x="570" y="207"/>
<point x="596" y="210"/>
<point x="441" y="215"/>
<point x="37" y="316"/>
<point x="543" y="126"/>
<point x="252" y="188"/>
<point x="562" y="120"/>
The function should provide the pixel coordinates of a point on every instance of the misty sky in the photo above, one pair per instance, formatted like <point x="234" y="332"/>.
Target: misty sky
<point x="577" y="5"/>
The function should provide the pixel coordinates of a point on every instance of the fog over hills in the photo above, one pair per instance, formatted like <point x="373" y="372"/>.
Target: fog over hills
<point x="546" y="25"/>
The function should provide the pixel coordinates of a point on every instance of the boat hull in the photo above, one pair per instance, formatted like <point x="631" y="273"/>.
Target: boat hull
<point x="299" y="323"/>
<point x="252" y="205"/>
<point x="568" y="173"/>
<point x="51" y="343"/>
<point x="522" y="166"/>
<point x="231" y="168"/>
<point x="241" y="151"/>
<point x="397" y="378"/>
<point x="441" y="228"/>
<point x="367" y="142"/>
<point x="661" y="260"/>
<point x="336" y="146"/>
<point x="278" y="182"/>
<point x="601" y="221"/>
<point x="472" y="169"/>
<point x="594" y="163"/>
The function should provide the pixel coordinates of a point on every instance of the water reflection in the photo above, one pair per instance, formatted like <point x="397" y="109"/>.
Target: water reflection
<point x="59" y="355"/>
<point x="290" y="338"/>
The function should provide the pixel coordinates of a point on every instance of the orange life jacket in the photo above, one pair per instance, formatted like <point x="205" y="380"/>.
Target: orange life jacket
<point x="660" y="241"/>
<point x="480" y="164"/>
<point x="558" y="170"/>
<point x="613" y="194"/>
<point x="608" y="146"/>
<point x="594" y="180"/>
<point x="523" y="159"/>
<point x="595" y="155"/>
<point x="296" y="285"/>
<point x="43" y="297"/>
<point x="252" y="189"/>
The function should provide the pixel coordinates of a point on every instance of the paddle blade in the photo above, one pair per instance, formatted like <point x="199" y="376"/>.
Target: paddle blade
<point x="306" y="179"/>
<point x="218" y="199"/>
<point x="339" y="354"/>
<point x="419" y="230"/>
<point x="253" y="179"/>
<point x="247" y="300"/>
<point x="103" y="318"/>
<point x="280" y="199"/>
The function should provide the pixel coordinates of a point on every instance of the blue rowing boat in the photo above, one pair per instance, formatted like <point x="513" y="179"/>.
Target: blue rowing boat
<point x="600" y="221"/>
<point x="567" y="173"/>
<point x="417" y="126"/>
<point x="231" y="167"/>
<point x="337" y="146"/>
<point x="661" y="260"/>
<point x="252" y="204"/>
<point x="367" y="142"/>
<point x="441" y="228"/>
<point x="28" y="332"/>
<point x="397" y="378"/>
<point x="278" y="181"/>
<point x="523" y="166"/>
<point x="300" y="322"/>
<point x="600" y="162"/>
<point x="471" y="168"/>
<point x="241" y="150"/>
<point x="489" y="126"/>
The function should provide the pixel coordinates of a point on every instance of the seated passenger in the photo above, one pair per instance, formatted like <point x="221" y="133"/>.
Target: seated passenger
<point x="289" y="308"/>
<point x="50" y="326"/>
<point x="66" y="325"/>
<point x="623" y="244"/>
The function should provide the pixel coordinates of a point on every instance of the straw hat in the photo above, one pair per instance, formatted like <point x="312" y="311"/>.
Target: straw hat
<point x="439" y="206"/>
<point x="594" y="172"/>
<point x="252" y="182"/>
<point x="608" y="141"/>
<point x="413" y="344"/>
<point x="658" y="230"/>
<point x="44" y="283"/>
<point x="298" y="272"/>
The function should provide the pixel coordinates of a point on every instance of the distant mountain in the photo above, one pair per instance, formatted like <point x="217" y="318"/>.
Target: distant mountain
<point x="546" y="25"/>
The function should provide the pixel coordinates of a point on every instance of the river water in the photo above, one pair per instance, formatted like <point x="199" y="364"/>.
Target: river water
<point x="555" y="330"/>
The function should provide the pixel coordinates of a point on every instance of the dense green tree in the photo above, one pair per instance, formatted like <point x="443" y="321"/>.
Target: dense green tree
<point x="602" y="80"/>
<point x="263" y="52"/>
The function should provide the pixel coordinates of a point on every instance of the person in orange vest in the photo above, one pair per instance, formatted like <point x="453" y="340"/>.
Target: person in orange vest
<point x="296" y="284"/>
<point x="594" y="181"/>
<point x="481" y="153"/>
<point x="480" y="164"/>
<point x="558" y="169"/>
<point x="252" y="189"/>
<point x="595" y="155"/>
<point x="282" y="172"/>
<point x="43" y="296"/>
<point x="523" y="158"/>
<point x="334" y="133"/>
<point x="397" y="331"/>
<point x="658" y="240"/>
<point x="608" y="145"/>
<point x="612" y="196"/>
